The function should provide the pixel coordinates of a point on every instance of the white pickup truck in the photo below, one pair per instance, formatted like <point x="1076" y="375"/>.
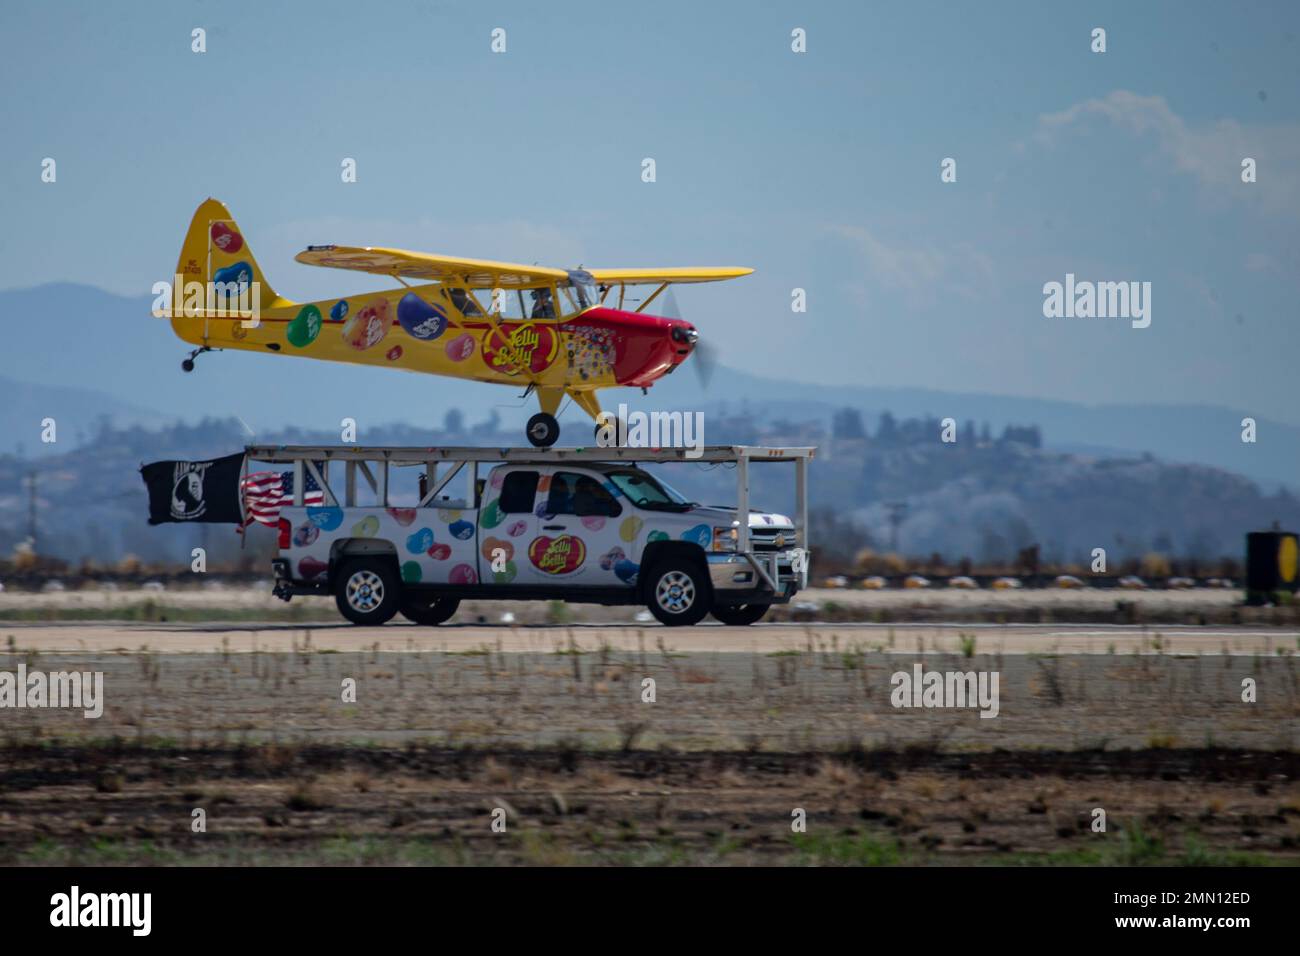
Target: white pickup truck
<point x="578" y="525"/>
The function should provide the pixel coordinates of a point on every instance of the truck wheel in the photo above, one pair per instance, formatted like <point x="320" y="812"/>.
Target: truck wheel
<point x="367" y="591"/>
<point x="678" y="592"/>
<point x="739" y="615"/>
<point x="429" y="612"/>
<point x="542" y="430"/>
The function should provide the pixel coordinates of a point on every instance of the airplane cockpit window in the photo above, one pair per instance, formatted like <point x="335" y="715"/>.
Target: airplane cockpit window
<point x="543" y="306"/>
<point x="464" y="302"/>
<point x="581" y="289"/>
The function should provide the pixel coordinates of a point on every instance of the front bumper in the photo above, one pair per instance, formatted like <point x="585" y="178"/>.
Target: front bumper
<point x="762" y="576"/>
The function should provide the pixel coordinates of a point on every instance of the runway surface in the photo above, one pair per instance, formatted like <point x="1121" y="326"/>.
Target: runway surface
<point x="760" y="638"/>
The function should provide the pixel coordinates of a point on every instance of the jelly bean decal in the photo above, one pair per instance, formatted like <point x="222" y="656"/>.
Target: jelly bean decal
<point x="562" y="555"/>
<point x="411" y="572"/>
<point x="367" y="527"/>
<point x="310" y="567"/>
<point x="304" y="328"/>
<point x="701" y="534"/>
<point x="460" y="348"/>
<point x="627" y="571"/>
<point x="305" y="534"/>
<point x="514" y="349"/>
<point x="394" y="353"/>
<point x="517" y="528"/>
<point x="327" y="519"/>
<point x="448" y="515"/>
<point x="463" y="574"/>
<point x="440" y="552"/>
<point x="403" y="516"/>
<point x="462" y="530"/>
<point x="611" y="557"/>
<point x="339" y="311"/>
<point x="656" y="536"/>
<point x="491" y="545"/>
<point x="506" y="576"/>
<point x="422" y="540"/>
<point x="491" y="516"/>
<point x="231" y="276"/>
<point x="630" y="528"/>
<point x="368" y="327"/>
<point x="498" y="478"/>
<point x="593" y="522"/>
<point x="226" y="237"/>
<point x="421" y="320"/>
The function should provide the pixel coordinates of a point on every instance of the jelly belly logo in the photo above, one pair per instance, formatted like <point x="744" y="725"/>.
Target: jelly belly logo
<point x="562" y="555"/>
<point x="525" y="348"/>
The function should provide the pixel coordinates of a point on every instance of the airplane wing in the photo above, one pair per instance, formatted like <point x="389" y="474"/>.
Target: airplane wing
<point x="472" y="273"/>
<point x="683" y="274"/>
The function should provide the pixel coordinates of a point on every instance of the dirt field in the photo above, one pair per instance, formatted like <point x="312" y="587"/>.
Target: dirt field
<point x="355" y="806"/>
<point x="561" y="740"/>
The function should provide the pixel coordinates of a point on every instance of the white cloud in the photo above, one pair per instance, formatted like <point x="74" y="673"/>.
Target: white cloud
<point x="919" y="273"/>
<point x="1211" y="152"/>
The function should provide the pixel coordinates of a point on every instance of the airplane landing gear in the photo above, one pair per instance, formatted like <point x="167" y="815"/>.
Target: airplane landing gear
<point x="188" y="364"/>
<point x="542" y="430"/>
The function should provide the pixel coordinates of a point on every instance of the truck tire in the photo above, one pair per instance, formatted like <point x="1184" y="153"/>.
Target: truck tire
<point x="367" y="591"/>
<point x="677" y="592"/>
<point x="739" y="615"/>
<point x="429" y="612"/>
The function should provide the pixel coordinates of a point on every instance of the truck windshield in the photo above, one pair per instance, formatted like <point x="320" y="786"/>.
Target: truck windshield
<point x="644" y="491"/>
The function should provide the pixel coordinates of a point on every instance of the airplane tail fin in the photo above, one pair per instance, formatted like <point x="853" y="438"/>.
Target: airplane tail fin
<point x="216" y="264"/>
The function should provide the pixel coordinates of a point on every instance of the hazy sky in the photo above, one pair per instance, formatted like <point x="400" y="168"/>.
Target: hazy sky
<point x="820" y="170"/>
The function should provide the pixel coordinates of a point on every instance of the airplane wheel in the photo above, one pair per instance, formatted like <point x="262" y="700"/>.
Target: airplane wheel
<point x="542" y="430"/>
<point x="187" y="365"/>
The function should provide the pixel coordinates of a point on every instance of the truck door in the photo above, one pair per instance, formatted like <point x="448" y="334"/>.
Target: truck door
<point x="577" y="533"/>
<point x="507" y="523"/>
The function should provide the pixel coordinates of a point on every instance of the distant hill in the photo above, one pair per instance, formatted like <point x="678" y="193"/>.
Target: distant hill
<point x="984" y="497"/>
<point x="67" y="335"/>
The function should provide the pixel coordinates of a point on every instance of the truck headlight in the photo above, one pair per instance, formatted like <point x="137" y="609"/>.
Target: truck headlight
<point x="724" y="539"/>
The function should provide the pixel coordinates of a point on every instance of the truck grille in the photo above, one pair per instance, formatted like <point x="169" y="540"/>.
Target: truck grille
<point x="766" y="539"/>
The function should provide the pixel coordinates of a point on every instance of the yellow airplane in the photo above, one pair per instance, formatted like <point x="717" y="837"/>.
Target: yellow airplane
<point x="558" y="332"/>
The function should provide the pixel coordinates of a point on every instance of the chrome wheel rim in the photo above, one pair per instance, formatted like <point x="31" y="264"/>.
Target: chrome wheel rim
<point x="365" y="591"/>
<point x="675" y="592"/>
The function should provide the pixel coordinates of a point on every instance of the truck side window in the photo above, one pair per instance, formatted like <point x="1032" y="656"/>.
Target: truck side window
<point x="581" y="495"/>
<point x="518" y="492"/>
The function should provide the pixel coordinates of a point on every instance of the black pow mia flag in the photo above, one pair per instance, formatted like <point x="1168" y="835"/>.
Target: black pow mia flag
<point x="194" y="490"/>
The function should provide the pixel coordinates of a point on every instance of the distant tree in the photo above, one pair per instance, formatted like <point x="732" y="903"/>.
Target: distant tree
<point x="847" y="423"/>
<point x="887" y="430"/>
<point x="453" y="422"/>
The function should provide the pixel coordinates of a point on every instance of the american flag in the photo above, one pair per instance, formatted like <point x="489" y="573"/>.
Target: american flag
<point x="266" y="492"/>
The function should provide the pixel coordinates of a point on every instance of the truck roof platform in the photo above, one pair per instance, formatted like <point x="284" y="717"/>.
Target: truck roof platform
<point x="414" y="455"/>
